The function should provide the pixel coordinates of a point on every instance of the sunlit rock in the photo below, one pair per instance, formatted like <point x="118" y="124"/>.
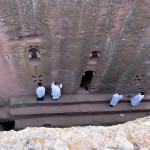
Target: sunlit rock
<point x="128" y="136"/>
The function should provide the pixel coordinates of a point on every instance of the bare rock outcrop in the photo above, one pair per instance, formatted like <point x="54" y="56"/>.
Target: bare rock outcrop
<point x="133" y="135"/>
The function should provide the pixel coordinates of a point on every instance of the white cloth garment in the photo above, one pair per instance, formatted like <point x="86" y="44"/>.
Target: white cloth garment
<point x="136" y="99"/>
<point x="40" y="91"/>
<point x="115" y="99"/>
<point x="56" y="90"/>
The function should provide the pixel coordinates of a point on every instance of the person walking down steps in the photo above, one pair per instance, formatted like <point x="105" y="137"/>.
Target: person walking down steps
<point x="115" y="99"/>
<point x="136" y="99"/>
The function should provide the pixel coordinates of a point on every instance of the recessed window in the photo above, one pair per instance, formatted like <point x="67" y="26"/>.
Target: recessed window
<point x="95" y="54"/>
<point x="33" y="53"/>
<point x="94" y="57"/>
<point x="139" y="77"/>
<point x="34" y="56"/>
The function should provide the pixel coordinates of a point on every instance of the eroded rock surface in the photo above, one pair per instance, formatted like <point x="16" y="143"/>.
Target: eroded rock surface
<point x="134" y="135"/>
<point x="105" y="42"/>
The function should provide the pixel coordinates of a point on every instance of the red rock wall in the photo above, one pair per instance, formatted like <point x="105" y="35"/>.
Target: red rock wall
<point x="64" y="33"/>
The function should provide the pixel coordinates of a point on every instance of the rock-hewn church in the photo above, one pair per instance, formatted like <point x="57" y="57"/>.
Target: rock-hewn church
<point x="89" y="46"/>
<point x="102" y="44"/>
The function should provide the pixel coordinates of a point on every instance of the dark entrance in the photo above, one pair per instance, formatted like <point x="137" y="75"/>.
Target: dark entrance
<point x="86" y="79"/>
<point x="7" y="126"/>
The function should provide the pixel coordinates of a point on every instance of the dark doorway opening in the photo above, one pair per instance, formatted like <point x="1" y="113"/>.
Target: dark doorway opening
<point x="7" y="126"/>
<point x="86" y="79"/>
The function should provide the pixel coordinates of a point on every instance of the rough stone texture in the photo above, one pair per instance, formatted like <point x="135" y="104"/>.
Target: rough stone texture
<point x="130" y="136"/>
<point x="65" y="32"/>
<point x="4" y="101"/>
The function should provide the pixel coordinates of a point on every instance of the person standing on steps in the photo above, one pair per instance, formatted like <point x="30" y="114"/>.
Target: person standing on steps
<point x="56" y="90"/>
<point x="115" y="99"/>
<point x="40" y="92"/>
<point x="136" y="99"/>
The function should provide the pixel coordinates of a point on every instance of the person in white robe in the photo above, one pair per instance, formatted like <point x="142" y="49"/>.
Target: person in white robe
<point x="40" y="92"/>
<point x="115" y="99"/>
<point x="136" y="99"/>
<point x="56" y="90"/>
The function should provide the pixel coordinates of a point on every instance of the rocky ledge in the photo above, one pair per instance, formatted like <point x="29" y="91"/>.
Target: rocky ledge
<point x="133" y="135"/>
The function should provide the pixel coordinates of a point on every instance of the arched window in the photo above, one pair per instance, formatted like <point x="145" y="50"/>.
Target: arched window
<point x="93" y="57"/>
<point x="95" y="54"/>
<point x="34" y="53"/>
<point x="34" y="56"/>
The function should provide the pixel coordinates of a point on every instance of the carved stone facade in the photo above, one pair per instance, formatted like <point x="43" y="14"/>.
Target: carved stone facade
<point x="104" y="41"/>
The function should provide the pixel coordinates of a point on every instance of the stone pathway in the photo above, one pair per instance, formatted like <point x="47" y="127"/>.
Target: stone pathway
<point x="74" y="110"/>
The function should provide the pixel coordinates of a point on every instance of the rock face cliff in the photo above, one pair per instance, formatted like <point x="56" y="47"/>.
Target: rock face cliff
<point x="133" y="135"/>
<point x="103" y="44"/>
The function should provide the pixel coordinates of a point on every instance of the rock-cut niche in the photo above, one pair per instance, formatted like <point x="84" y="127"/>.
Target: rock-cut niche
<point x="34" y="56"/>
<point x="94" y="57"/>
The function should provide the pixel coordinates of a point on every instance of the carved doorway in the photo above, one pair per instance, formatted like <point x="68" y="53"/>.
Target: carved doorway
<point x="86" y="79"/>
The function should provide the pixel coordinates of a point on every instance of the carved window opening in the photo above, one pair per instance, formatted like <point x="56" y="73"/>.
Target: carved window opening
<point x="86" y="79"/>
<point x="37" y="78"/>
<point x="94" y="57"/>
<point x="139" y="77"/>
<point x="34" y="56"/>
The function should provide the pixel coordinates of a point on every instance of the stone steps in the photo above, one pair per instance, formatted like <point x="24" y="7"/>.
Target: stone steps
<point x="74" y="110"/>
<point x="78" y="120"/>
<point x="98" y="108"/>
<point x="24" y="101"/>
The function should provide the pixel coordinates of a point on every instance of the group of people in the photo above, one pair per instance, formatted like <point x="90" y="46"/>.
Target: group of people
<point x="55" y="91"/>
<point x="134" y="101"/>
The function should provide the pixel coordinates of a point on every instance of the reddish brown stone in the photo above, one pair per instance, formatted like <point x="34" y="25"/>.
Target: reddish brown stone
<point x="65" y="33"/>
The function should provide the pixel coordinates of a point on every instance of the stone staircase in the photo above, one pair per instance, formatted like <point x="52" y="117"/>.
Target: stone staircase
<point x="74" y="110"/>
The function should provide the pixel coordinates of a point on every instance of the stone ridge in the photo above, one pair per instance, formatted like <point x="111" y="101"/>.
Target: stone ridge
<point x="129" y="136"/>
